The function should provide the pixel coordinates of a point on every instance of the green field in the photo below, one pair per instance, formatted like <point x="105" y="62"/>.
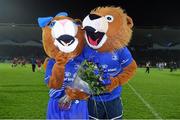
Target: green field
<point x="147" y="96"/>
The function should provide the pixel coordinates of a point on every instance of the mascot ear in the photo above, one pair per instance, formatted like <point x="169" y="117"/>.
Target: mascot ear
<point x="62" y="14"/>
<point x="78" y="22"/>
<point x="129" y="21"/>
<point x="43" y="21"/>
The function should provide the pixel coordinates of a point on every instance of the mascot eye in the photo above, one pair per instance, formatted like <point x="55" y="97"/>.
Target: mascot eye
<point x="52" y="24"/>
<point x="109" y="18"/>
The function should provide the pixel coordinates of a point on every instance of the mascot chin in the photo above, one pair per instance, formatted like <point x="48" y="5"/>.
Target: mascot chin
<point x="108" y="31"/>
<point x="63" y="41"/>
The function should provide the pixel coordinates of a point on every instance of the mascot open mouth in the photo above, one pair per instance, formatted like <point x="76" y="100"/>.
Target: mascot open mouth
<point x="94" y="37"/>
<point x="66" y="43"/>
<point x="66" y="40"/>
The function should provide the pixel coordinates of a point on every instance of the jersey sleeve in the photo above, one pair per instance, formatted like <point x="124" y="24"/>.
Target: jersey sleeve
<point x="125" y="57"/>
<point x="48" y="71"/>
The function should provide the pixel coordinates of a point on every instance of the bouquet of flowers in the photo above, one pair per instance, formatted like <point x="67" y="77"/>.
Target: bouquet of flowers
<point x="91" y="79"/>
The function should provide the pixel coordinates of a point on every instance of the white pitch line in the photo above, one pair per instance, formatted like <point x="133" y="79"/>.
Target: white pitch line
<point x="151" y="109"/>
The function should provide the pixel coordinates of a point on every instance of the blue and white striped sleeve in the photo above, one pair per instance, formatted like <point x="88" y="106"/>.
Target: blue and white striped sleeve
<point x="48" y="71"/>
<point x="125" y="57"/>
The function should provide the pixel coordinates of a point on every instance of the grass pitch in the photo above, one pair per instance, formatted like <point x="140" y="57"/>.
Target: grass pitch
<point x="23" y="94"/>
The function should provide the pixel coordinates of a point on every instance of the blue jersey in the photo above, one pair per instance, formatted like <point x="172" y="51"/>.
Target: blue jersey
<point x="78" y="109"/>
<point x="69" y="75"/>
<point x="113" y="62"/>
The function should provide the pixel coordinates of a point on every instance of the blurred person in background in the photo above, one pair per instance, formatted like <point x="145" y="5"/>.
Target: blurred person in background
<point x="23" y="62"/>
<point x="147" y="67"/>
<point x="33" y="63"/>
<point x="39" y="63"/>
<point x="14" y="62"/>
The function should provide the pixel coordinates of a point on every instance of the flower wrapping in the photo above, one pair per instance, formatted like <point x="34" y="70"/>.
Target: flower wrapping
<point x="91" y="78"/>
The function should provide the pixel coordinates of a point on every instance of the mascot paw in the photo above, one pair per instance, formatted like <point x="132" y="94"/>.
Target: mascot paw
<point x="76" y="94"/>
<point x="63" y="58"/>
<point x="114" y="84"/>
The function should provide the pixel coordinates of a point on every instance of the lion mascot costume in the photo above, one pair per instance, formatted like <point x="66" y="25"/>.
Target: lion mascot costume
<point x="63" y="42"/>
<point x="108" y="31"/>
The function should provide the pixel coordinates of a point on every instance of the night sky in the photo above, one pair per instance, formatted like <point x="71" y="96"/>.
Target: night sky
<point x="143" y="12"/>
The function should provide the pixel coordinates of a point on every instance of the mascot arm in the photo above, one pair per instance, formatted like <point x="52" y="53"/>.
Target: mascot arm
<point x="129" y="67"/>
<point x="57" y="77"/>
<point x="76" y="94"/>
<point x="54" y="75"/>
<point x="128" y="73"/>
<point x="125" y="76"/>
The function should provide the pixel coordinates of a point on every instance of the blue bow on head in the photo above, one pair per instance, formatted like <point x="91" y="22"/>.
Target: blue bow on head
<point x="43" y="21"/>
<point x="62" y="14"/>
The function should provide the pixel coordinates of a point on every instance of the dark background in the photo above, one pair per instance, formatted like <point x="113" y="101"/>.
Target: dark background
<point x="143" y="12"/>
<point x="156" y="34"/>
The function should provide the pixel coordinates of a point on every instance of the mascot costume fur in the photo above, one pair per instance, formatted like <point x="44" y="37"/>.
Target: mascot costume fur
<point x="63" y="41"/>
<point x="108" y="31"/>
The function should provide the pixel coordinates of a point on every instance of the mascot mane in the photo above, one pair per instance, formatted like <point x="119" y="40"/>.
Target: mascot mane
<point x="51" y="34"/>
<point x="111" y="28"/>
<point x="63" y="39"/>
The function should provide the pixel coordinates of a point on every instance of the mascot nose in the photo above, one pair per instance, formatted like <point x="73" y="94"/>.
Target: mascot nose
<point x="93" y="16"/>
<point x="63" y="21"/>
<point x="65" y="38"/>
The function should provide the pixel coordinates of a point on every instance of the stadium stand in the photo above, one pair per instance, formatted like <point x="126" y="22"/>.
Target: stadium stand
<point x="18" y="40"/>
<point x="154" y="43"/>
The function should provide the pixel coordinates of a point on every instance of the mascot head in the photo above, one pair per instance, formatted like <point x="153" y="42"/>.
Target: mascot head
<point x="107" y="28"/>
<point x="61" y="34"/>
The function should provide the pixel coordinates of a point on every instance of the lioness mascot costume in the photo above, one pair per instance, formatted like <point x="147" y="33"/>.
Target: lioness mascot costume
<point x="108" y="31"/>
<point x="63" y="41"/>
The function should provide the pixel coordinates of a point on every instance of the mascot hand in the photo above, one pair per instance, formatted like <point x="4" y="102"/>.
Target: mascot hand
<point x="76" y="94"/>
<point x="121" y="79"/>
<point x="113" y="85"/>
<point x="57" y="77"/>
<point x="63" y="58"/>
